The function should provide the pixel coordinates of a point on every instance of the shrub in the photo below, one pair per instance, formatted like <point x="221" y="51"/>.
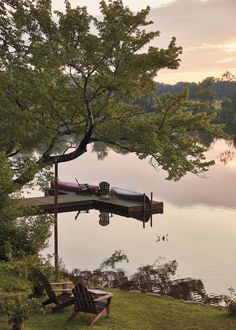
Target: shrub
<point x="18" y="309"/>
<point x="231" y="301"/>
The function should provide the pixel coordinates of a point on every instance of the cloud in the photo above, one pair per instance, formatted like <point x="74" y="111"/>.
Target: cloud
<point x="205" y="30"/>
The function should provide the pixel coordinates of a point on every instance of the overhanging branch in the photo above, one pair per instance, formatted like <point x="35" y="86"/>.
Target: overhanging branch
<point x="47" y="159"/>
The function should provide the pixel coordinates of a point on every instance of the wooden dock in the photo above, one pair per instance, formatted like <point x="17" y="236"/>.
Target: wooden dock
<point x="73" y="202"/>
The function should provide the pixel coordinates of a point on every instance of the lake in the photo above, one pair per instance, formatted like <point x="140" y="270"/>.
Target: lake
<point x="198" y="227"/>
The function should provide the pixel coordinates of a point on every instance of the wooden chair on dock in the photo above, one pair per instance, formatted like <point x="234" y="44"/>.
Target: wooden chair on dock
<point x="64" y="299"/>
<point x="84" y="301"/>
<point x="104" y="189"/>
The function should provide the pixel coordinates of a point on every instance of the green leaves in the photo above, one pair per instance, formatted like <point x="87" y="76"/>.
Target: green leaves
<point x="170" y="135"/>
<point x="77" y="79"/>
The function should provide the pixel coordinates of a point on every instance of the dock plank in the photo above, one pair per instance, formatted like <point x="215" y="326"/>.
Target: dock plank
<point x="70" y="202"/>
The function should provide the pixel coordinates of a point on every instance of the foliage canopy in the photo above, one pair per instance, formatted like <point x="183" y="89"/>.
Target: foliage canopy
<point x="69" y="79"/>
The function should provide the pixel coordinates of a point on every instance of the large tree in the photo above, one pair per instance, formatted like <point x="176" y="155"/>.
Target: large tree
<point x="70" y="79"/>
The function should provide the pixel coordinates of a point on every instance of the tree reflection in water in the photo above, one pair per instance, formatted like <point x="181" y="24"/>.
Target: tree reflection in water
<point x="227" y="156"/>
<point x="163" y="238"/>
<point x="156" y="278"/>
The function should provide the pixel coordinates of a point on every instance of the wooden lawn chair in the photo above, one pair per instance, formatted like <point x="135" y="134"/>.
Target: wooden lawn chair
<point x="104" y="189"/>
<point x="64" y="299"/>
<point x="84" y="301"/>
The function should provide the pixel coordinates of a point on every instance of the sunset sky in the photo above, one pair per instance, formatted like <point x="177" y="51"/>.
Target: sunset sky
<point x="206" y="29"/>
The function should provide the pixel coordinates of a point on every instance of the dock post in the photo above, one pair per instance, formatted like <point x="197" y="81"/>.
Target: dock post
<point x="144" y="201"/>
<point x="151" y="199"/>
<point x="55" y="221"/>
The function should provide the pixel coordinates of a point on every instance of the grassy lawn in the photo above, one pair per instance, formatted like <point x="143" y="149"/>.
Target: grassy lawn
<point x="129" y="311"/>
<point x="139" y="311"/>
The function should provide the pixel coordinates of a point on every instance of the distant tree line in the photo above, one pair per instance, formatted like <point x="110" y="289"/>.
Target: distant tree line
<point x="216" y="94"/>
<point x="209" y="88"/>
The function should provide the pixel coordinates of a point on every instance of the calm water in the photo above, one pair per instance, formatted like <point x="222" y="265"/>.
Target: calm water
<point x="199" y="218"/>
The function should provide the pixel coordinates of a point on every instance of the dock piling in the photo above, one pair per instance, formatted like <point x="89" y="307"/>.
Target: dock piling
<point x="56" y="221"/>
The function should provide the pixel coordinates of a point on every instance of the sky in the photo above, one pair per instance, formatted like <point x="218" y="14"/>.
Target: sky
<point x="206" y="29"/>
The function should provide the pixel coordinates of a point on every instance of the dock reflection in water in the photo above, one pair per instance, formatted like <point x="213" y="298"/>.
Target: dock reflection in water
<point x="199" y="216"/>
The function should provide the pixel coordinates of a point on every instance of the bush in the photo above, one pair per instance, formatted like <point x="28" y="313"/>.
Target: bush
<point x="25" y="268"/>
<point x="231" y="301"/>
<point x="18" y="309"/>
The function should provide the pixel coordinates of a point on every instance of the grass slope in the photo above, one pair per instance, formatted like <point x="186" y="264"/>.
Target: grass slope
<point x="140" y="311"/>
<point x="128" y="311"/>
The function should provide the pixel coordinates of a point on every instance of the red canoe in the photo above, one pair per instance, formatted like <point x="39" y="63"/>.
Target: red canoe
<point x="77" y="187"/>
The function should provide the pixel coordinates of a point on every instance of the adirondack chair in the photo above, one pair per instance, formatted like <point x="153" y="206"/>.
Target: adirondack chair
<point x="64" y="299"/>
<point x="104" y="189"/>
<point x="84" y="301"/>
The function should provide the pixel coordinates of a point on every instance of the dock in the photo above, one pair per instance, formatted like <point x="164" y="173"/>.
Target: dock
<point x="73" y="202"/>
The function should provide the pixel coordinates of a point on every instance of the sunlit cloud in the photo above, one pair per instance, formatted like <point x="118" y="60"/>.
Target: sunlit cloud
<point x="205" y="30"/>
<point x="200" y="47"/>
<point x="226" y="60"/>
<point x="230" y="47"/>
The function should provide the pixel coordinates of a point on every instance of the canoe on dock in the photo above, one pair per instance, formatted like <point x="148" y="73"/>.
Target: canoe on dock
<point x="120" y="201"/>
<point x="77" y="187"/>
<point x="130" y="195"/>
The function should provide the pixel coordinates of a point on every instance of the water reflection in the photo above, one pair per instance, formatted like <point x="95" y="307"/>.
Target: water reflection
<point x="100" y="149"/>
<point x="127" y="171"/>
<point x="104" y="218"/>
<point x="163" y="238"/>
<point x="199" y="214"/>
<point x="156" y="278"/>
<point x="80" y="212"/>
